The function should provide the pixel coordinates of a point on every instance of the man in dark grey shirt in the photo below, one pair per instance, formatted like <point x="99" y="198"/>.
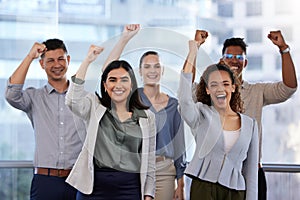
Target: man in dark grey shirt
<point x="59" y="134"/>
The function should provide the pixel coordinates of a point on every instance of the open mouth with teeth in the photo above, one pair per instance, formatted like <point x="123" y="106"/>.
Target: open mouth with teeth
<point x="152" y="76"/>
<point x="221" y="98"/>
<point x="57" y="71"/>
<point x="118" y="92"/>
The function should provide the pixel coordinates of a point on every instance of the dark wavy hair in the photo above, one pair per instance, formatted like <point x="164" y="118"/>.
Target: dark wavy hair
<point x="133" y="98"/>
<point x="53" y="44"/>
<point x="236" y="103"/>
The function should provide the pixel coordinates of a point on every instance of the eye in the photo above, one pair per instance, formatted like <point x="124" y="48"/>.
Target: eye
<point x="228" y="56"/>
<point x="125" y="80"/>
<point x="50" y="61"/>
<point x="111" y="80"/>
<point x="240" y="57"/>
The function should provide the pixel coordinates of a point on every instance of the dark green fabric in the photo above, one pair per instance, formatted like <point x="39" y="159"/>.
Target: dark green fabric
<point x="119" y="144"/>
<point x="205" y="190"/>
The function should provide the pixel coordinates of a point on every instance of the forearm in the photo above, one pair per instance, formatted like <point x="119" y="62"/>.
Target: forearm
<point x="288" y="71"/>
<point x="189" y="64"/>
<point x="180" y="182"/>
<point x="116" y="52"/>
<point x="19" y="75"/>
<point x="81" y="72"/>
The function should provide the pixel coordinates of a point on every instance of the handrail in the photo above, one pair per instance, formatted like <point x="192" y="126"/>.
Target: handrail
<point x="277" y="167"/>
<point x="16" y="164"/>
<point x="268" y="167"/>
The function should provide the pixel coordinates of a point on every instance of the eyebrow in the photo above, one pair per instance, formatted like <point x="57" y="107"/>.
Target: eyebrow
<point x="122" y="78"/>
<point x="224" y="81"/>
<point x="60" y="57"/>
<point x="156" y="64"/>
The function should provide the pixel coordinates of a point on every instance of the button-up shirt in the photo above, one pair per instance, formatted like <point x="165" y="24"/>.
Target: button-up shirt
<point x="59" y="134"/>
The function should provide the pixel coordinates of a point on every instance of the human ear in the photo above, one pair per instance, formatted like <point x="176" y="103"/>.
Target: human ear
<point x="207" y="91"/>
<point x="41" y="61"/>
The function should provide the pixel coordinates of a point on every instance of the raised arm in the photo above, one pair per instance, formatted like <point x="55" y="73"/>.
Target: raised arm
<point x="288" y="69"/>
<point x="19" y="75"/>
<point x="190" y="62"/>
<point x="93" y="53"/>
<point x="128" y="32"/>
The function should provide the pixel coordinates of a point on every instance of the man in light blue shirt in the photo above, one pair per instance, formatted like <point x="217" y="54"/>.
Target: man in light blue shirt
<point x="58" y="133"/>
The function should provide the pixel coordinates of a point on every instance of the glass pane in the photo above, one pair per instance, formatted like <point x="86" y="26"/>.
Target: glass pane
<point x="81" y="23"/>
<point x="15" y="183"/>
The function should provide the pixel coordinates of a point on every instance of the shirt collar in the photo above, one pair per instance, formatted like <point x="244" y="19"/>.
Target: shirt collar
<point x="51" y="89"/>
<point x="244" y="85"/>
<point x="135" y="115"/>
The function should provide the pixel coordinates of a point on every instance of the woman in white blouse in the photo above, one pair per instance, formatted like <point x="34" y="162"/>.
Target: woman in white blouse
<point x="224" y="165"/>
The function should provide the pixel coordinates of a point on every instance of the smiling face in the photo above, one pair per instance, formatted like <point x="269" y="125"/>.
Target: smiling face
<point x="220" y="89"/>
<point x="55" y="63"/>
<point x="118" y="85"/>
<point x="235" y="64"/>
<point x="151" y="70"/>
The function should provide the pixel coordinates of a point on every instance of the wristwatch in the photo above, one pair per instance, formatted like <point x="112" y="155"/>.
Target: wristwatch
<point x="285" y="50"/>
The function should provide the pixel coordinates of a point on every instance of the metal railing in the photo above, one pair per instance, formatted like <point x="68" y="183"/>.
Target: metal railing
<point x="288" y="168"/>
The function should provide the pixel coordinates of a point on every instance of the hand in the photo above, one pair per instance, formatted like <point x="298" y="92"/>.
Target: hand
<point x="130" y="30"/>
<point x="200" y="36"/>
<point x="36" y="50"/>
<point x="179" y="194"/>
<point x="277" y="39"/>
<point x="147" y="198"/>
<point x="93" y="53"/>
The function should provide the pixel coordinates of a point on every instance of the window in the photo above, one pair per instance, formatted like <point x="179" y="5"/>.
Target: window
<point x="283" y="8"/>
<point x="254" y="35"/>
<point x="223" y="37"/>
<point x="254" y="63"/>
<point x="225" y="9"/>
<point x="253" y="8"/>
<point x="81" y="23"/>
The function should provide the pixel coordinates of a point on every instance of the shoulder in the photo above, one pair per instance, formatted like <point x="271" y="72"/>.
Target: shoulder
<point x="262" y="85"/>
<point x="149" y="114"/>
<point x="248" y="121"/>
<point x="173" y="100"/>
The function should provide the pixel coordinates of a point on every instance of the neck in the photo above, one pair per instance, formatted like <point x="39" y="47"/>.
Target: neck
<point x="120" y="107"/>
<point x="59" y="85"/>
<point x="240" y="80"/>
<point x="152" y="91"/>
<point x="225" y="112"/>
<point x="122" y="112"/>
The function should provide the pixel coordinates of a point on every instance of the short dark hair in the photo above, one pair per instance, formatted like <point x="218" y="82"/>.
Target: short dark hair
<point x="133" y="98"/>
<point x="146" y="54"/>
<point x="234" y="42"/>
<point x="53" y="44"/>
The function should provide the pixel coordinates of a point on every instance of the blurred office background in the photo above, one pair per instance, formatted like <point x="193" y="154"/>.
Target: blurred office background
<point x="166" y="25"/>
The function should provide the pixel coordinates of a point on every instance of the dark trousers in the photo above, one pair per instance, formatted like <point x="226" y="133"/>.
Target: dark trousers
<point x="262" y="184"/>
<point x="45" y="187"/>
<point x="110" y="184"/>
<point x="205" y="190"/>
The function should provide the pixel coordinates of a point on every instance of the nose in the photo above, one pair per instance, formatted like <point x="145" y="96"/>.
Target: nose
<point x="56" y="63"/>
<point x="118" y="84"/>
<point x="220" y="88"/>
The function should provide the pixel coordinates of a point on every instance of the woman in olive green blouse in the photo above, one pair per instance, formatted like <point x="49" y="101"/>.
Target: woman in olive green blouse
<point x="118" y="157"/>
